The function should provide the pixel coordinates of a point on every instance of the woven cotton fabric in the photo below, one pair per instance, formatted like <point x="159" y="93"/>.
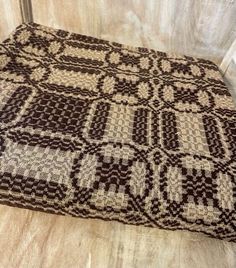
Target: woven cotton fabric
<point x="97" y="129"/>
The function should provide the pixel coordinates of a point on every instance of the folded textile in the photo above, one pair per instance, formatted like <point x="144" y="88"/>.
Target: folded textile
<point x="97" y="129"/>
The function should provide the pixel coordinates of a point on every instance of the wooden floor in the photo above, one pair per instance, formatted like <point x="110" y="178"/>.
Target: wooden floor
<point x="35" y="239"/>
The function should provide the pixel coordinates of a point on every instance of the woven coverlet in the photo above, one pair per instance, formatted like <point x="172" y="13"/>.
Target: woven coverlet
<point x="97" y="129"/>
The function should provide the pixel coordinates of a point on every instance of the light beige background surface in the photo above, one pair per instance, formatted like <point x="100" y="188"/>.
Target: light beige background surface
<point x="10" y="17"/>
<point x="204" y="28"/>
<point x="35" y="239"/>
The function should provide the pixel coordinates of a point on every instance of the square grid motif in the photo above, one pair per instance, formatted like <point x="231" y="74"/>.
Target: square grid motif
<point x="57" y="113"/>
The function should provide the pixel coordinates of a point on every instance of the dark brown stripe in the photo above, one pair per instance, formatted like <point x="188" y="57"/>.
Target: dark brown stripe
<point x="45" y="141"/>
<point x="140" y="126"/>
<point x="212" y="135"/>
<point x="95" y="46"/>
<point x="80" y="60"/>
<point x="230" y="131"/>
<point x="99" y="121"/>
<point x="29" y="186"/>
<point x="169" y="130"/>
<point x="155" y="129"/>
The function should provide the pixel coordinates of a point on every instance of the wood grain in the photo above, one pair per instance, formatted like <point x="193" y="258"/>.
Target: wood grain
<point x="26" y="11"/>
<point x="35" y="239"/>
<point x="230" y="78"/>
<point x="228" y="57"/>
<point x="228" y="69"/>
<point x="10" y="17"/>
<point x="203" y="28"/>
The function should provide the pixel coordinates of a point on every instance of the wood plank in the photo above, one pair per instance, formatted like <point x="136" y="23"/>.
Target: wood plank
<point x="10" y="17"/>
<point x="230" y="78"/>
<point x="204" y="28"/>
<point x="228" y="58"/>
<point x="26" y="11"/>
<point x="36" y="239"/>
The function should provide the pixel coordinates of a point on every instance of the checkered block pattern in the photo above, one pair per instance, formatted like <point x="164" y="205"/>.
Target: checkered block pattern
<point x="96" y="129"/>
<point x="191" y="133"/>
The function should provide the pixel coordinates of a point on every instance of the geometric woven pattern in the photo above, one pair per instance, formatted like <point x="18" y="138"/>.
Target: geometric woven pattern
<point x="97" y="129"/>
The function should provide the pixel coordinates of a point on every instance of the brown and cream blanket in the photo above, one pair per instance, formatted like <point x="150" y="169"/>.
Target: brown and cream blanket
<point x="97" y="129"/>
